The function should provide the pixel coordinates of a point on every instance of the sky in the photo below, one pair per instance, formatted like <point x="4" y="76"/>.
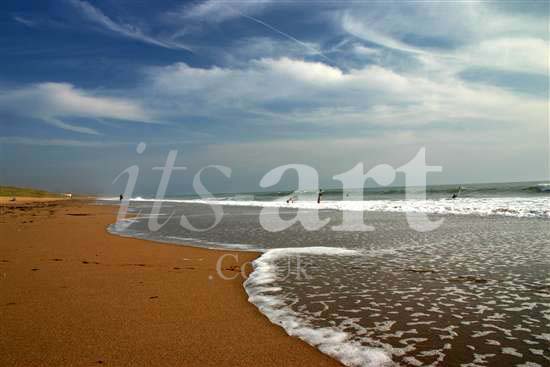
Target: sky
<point x="256" y="84"/>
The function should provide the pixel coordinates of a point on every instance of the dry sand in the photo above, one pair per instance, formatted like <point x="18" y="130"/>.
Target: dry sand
<point x="4" y="200"/>
<point x="73" y="295"/>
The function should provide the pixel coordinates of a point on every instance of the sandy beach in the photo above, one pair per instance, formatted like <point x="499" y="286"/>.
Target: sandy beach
<point x="304" y="183"/>
<point x="72" y="294"/>
<point x="8" y="200"/>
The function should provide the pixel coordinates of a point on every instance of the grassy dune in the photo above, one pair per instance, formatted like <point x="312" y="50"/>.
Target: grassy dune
<point x="26" y="192"/>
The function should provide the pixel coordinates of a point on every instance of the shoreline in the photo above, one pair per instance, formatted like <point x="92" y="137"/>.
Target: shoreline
<point x="74" y="294"/>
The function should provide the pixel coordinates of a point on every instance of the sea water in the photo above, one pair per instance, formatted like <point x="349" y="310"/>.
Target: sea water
<point x="473" y="292"/>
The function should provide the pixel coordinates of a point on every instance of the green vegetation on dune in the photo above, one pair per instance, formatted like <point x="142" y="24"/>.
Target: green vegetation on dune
<point x="24" y="191"/>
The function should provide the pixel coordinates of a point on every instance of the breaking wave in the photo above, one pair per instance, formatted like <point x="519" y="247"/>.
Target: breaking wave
<point x="533" y="207"/>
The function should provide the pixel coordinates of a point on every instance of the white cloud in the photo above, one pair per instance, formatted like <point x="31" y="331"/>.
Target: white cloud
<point x="525" y="54"/>
<point x="24" y="21"/>
<point x="219" y="11"/>
<point x="65" y="100"/>
<point x="360" y="30"/>
<point x="63" y="125"/>
<point x="365" y="51"/>
<point x="241" y="51"/>
<point x="454" y="36"/>
<point x="314" y="72"/>
<point x="53" y="102"/>
<point x="297" y="91"/>
<point x="95" y="15"/>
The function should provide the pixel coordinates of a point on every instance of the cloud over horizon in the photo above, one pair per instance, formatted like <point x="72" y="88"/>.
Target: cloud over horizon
<point x="300" y="77"/>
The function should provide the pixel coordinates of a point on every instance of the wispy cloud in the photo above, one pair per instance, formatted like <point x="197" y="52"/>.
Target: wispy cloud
<point x="515" y="43"/>
<point x="286" y="35"/>
<point x="24" y="21"/>
<point x="96" y="16"/>
<point x="52" y="103"/>
<point x="219" y="10"/>
<point x="365" y="51"/>
<point x="241" y="51"/>
<point x="63" y="125"/>
<point x="358" y="29"/>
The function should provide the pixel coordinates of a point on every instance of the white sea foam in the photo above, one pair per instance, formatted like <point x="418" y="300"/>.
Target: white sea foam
<point x="507" y="206"/>
<point x="270" y="301"/>
<point x="511" y="351"/>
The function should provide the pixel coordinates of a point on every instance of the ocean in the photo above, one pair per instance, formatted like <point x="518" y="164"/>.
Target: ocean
<point x="475" y="291"/>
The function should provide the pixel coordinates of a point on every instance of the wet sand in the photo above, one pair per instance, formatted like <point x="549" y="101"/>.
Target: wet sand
<point x="72" y="294"/>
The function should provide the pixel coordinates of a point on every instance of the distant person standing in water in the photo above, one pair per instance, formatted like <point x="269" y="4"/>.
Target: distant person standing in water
<point x="455" y="195"/>
<point x="319" y="196"/>
<point x="121" y="197"/>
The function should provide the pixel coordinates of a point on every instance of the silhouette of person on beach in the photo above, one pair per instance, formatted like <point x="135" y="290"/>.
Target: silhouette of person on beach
<point x="455" y="195"/>
<point x="319" y="196"/>
<point x="121" y="197"/>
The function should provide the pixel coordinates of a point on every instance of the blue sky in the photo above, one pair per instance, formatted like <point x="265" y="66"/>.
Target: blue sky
<point x="256" y="84"/>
